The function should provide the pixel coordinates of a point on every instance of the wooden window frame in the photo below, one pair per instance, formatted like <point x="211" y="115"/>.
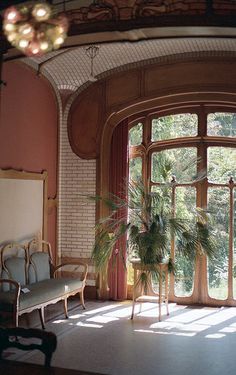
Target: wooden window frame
<point x="201" y="141"/>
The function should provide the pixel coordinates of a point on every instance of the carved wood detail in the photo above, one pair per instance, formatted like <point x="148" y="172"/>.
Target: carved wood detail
<point x="123" y="10"/>
<point x="100" y="101"/>
<point x="83" y="124"/>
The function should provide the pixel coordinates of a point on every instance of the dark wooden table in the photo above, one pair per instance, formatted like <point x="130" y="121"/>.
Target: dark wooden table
<point x="22" y="368"/>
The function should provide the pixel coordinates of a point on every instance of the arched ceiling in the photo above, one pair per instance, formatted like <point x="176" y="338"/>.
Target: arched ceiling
<point x="69" y="69"/>
<point x="133" y="33"/>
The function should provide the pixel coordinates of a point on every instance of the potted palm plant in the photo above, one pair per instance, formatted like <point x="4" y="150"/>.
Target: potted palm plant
<point x="150" y="228"/>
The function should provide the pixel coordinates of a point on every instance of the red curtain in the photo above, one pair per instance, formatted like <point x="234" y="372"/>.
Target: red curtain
<point x="117" y="277"/>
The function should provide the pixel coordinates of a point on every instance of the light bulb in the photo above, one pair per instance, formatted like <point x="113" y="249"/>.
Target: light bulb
<point x="12" y="15"/>
<point x="61" y="30"/>
<point x="26" y="29"/>
<point x="41" y="12"/>
<point x="59" y="41"/>
<point x="44" y="45"/>
<point x="33" y="48"/>
<point x="11" y="37"/>
<point x="23" y="43"/>
<point x="9" y="26"/>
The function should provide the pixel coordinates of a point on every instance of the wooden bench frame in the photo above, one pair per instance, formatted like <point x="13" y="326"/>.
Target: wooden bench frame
<point x="55" y="270"/>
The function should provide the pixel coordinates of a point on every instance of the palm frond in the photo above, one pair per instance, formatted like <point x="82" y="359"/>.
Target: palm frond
<point x="151" y="228"/>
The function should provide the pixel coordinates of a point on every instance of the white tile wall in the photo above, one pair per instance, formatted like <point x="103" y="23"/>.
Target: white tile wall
<point x="76" y="214"/>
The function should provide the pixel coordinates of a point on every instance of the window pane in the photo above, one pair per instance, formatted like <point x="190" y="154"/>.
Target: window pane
<point x="185" y="199"/>
<point x="180" y="162"/>
<point x="174" y="126"/>
<point x="221" y="124"/>
<point x="218" y="204"/>
<point x="136" y="135"/>
<point x="135" y="169"/>
<point x="221" y="164"/>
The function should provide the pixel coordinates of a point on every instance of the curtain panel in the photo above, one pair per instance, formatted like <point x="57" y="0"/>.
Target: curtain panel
<point x="117" y="275"/>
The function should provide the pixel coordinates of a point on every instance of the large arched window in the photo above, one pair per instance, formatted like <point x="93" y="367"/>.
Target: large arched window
<point x="194" y="139"/>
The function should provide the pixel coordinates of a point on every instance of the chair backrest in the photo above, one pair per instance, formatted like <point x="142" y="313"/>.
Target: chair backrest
<point x="40" y="261"/>
<point x="11" y="338"/>
<point x="14" y="263"/>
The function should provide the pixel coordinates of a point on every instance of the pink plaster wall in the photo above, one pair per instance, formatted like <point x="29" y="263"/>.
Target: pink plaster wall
<point x="29" y="128"/>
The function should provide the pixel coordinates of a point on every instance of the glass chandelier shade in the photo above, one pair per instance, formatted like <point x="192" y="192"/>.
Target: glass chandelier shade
<point x="34" y="29"/>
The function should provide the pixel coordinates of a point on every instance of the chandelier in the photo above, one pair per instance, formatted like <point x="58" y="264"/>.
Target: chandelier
<point x="33" y="28"/>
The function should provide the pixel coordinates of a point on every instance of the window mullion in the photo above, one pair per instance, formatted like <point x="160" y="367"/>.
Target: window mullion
<point x="231" y="242"/>
<point x="200" y="292"/>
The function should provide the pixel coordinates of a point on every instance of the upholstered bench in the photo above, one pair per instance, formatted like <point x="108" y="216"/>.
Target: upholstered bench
<point x="29" y="281"/>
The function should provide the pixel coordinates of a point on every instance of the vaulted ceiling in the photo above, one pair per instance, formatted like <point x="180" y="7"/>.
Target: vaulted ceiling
<point x="123" y="46"/>
<point x="70" y="69"/>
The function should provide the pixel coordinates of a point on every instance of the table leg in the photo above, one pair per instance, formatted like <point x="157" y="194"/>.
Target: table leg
<point x="160" y="293"/>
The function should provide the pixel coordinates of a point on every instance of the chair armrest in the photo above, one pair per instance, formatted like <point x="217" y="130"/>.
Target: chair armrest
<point x="77" y="264"/>
<point x="16" y="290"/>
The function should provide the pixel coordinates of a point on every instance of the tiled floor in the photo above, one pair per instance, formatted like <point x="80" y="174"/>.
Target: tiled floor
<point x="103" y="339"/>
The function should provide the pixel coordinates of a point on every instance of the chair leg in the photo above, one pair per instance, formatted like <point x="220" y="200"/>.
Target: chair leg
<point x="134" y="298"/>
<point x="65" y="308"/>
<point x="16" y="319"/>
<point x="132" y="314"/>
<point x="167" y="307"/>
<point x="167" y="292"/>
<point x="81" y="294"/>
<point x="140" y="307"/>
<point x="41" y="315"/>
<point x="48" y="358"/>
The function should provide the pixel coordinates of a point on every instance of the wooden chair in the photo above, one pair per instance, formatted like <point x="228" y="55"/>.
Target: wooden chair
<point x="11" y="338"/>
<point x="151" y="296"/>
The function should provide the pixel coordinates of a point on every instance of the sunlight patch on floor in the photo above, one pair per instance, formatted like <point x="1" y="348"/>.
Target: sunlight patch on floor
<point x="59" y="321"/>
<point x="183" y="321"/>
<point x="76" y="316"/>
<point x="219" y="316"/>
<point x="188" y="334"/>
<point x="88" y="325"/>
<point x="215" y="336"/>
<point x="151" y="309"/>
<point x="102" y="319"/>
<point x="228" y="329"/>
<point x="178" y="326"/>
<point x="121" y="313"/>
<point x="193" y="315"/>
<point x="104" y="308"/>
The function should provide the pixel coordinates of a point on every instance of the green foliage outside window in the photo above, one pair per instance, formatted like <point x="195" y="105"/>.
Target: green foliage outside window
<point x="221" y="164"/>
<point x="136" y="135"/>
<point x="182" y="162"/>
<point x="174" y="126"/>
<point x="221" y="124"/>
<point x="135" y="169"/>
<point x="218" y="203"/>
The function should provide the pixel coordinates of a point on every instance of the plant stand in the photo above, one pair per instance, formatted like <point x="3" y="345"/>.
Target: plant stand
<point x="150" y="295"/>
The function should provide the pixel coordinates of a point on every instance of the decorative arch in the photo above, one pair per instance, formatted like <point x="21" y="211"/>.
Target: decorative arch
<point x="140" y="109"/>
<point x="129" y="89"/>
<point x="139" y="91"/>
